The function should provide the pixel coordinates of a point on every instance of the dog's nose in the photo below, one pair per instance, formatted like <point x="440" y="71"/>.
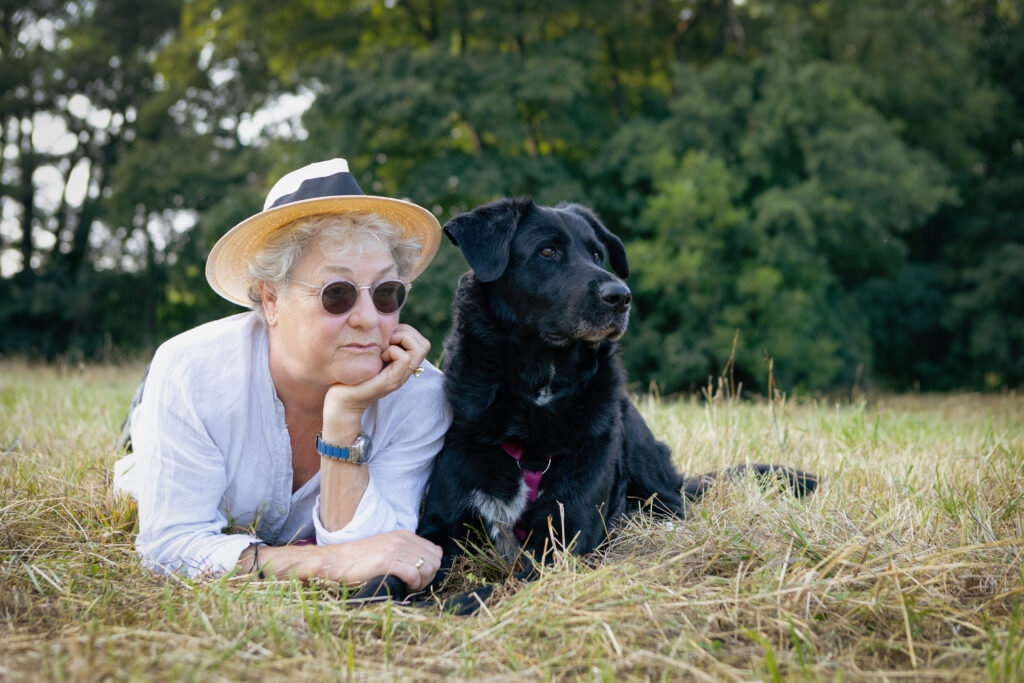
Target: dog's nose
<point x="616" y="295"/>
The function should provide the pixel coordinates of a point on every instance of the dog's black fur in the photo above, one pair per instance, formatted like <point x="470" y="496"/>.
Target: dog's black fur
<point x="532" y="360"/>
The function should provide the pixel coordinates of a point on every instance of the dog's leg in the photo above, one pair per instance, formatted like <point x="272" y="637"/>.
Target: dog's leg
<point x="468" y="602"/>
<point x="447" y="519"/>
<point x="649" y="468"/>
<point x="798" y="482"/>
<point x="694" y="488"/>
<point x="380" y="588"/>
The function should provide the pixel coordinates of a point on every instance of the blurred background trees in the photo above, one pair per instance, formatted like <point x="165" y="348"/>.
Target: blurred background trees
<point x="842" y="183"/>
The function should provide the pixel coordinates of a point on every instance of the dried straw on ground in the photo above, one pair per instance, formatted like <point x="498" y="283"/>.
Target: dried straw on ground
<point x="907" y="563"/>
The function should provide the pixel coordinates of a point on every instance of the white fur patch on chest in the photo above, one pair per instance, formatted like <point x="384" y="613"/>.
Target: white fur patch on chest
<point x="501" y="517"/>
<point x="545" y="394"/>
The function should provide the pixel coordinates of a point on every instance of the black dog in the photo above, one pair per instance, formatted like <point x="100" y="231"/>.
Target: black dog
<point x="545" y="443"/>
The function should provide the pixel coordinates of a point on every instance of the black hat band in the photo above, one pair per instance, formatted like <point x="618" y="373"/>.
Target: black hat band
<point x="335" y="185"/>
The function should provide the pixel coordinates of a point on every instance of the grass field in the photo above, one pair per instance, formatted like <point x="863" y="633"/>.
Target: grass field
<point x="907" y="563"/>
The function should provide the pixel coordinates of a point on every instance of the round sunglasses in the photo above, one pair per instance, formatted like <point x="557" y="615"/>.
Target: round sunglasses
<point x="339" y="296"/>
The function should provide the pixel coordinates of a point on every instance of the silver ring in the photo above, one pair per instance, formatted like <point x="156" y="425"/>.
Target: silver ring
<point x="419" y="563"/>
<point x="416" y="372"/>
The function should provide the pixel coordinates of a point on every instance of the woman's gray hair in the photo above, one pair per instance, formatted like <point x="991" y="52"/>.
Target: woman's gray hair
<point x="359" y="231"/>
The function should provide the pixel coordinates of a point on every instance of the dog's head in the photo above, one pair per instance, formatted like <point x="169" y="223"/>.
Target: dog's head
<point x="546" y="268"/>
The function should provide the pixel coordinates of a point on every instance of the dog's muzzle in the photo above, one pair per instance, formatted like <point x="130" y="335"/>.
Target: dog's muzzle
<point x="609" y="316"/>
<point x="616" y="296"/>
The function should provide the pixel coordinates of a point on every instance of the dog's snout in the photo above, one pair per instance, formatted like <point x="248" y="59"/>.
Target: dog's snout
<point x="616" y="295"/>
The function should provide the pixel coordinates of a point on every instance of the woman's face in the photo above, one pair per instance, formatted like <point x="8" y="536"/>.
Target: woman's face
<point x="315" y="347"/>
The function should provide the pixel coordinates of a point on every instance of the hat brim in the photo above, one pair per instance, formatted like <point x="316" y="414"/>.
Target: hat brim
<point x="227" y="267"/>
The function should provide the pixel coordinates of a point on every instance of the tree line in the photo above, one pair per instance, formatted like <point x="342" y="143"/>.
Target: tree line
<point x="837" y="187"/>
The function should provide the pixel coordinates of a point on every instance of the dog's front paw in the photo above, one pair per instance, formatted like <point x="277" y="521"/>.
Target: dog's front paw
<point x="469" y="602"/>
<point x="382" y="588"/>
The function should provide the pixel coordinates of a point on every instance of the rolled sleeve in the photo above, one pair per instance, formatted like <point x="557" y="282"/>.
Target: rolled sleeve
<point x="374" y="515"/>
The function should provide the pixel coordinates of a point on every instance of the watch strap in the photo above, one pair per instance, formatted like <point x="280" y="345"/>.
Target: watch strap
<point x="355" y="453"/>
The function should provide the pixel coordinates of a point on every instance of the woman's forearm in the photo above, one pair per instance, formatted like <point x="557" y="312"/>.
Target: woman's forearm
<point x="341" y="489"/>
<point x="342" y="484"/>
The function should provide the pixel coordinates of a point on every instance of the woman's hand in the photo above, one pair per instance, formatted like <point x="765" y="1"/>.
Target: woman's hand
<point x="345" y="403"/>
<point x="395" y="552"/>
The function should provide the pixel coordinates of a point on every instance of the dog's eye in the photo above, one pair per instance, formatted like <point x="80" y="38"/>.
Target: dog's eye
<point x="598" y="258"/>
<point x="548" y="252"/>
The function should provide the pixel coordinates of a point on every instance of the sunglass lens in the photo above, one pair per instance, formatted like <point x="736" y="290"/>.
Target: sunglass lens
<point x="389" y="296"/>
<point x="339" y="297"/>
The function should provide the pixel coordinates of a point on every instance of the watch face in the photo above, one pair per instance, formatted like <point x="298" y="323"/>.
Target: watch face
<point x="355" y="451"/>
<point x="361" y="449"/>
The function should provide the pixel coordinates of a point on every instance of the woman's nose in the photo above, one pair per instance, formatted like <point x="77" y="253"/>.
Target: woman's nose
<point x="364" y="313"/>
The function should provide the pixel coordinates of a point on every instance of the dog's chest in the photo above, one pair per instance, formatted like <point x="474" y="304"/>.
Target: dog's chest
<point x="541" y="393"/>
<point x="559" y="387"/>
<point x="500" y="515"/>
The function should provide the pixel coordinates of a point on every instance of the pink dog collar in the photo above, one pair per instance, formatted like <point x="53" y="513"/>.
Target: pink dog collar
<point x="531" y="477"/>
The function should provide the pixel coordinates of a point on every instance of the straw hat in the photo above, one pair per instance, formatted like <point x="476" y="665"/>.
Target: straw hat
<point x="323" y="187"/>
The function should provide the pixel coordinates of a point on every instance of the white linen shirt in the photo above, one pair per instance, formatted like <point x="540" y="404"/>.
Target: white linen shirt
<point x="211" y="452"/>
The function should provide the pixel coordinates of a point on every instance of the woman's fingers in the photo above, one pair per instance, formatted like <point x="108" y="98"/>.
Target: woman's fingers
<point x="405" y="353"/>
<point x="409" y="339"/>
<point x="428" y="568"/>
<point x="398" y="553"/>
<point x="416" y="559"/>
<point x="413" y="573"/>
<point x="406" y="572"/>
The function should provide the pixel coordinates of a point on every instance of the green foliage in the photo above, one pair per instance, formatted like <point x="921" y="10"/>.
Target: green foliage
<point x="838" y="182"/>
<point x="810" y="196"/>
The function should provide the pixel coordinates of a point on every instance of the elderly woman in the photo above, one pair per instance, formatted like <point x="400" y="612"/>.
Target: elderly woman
<point x="315" y="415"/>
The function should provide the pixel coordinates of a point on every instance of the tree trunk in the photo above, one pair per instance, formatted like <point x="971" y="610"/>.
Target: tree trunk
<point x="26" y="193"/>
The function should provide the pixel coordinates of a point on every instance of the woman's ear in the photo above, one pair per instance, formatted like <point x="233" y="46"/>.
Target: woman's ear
<point x="268" y="295"/>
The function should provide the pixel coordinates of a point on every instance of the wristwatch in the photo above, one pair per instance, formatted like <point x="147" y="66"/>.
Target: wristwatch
<point x="357" y="453"/>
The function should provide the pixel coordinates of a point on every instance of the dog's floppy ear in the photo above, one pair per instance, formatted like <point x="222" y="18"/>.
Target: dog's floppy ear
<point x="616" y="250"/>
<point x="485" y="235"/>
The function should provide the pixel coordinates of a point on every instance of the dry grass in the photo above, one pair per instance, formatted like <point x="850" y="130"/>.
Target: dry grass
<point x="906" y="564"/>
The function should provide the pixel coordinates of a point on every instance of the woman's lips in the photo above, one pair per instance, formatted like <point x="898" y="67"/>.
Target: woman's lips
<point x="362" y="348"/>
